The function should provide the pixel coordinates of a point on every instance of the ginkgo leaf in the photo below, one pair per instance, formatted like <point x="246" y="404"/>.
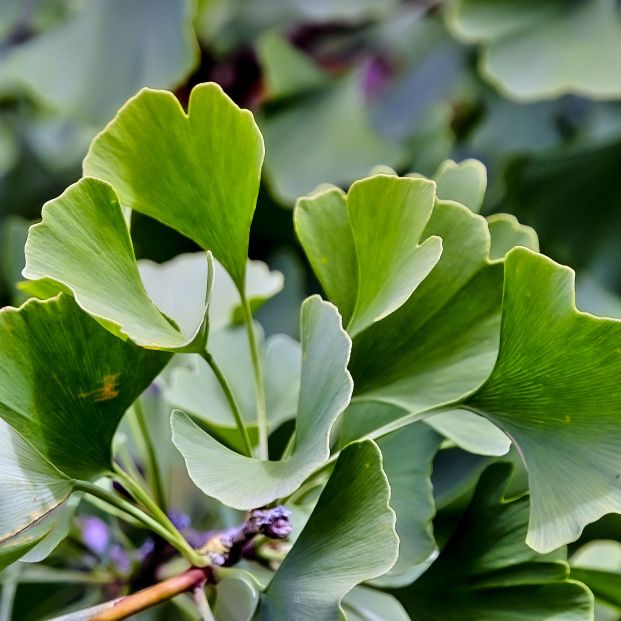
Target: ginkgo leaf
<point x="443" y="342"/>
<point x="464" y="182"/>
<point x="507" y="233"/>
<point x="197" y="173"/>
<point x="486" y="572"/>
<point x="350" y="537"/>
<point x="555" y="392"/>
<point x="105" y="283"/>
<point x="89" y="85"/>
<point x="541" y="50"/>
<point x="178" y="287"/>
<point x="367" y="245"/>
<point x="65" y="382"/>
<point x="325" y="389"/>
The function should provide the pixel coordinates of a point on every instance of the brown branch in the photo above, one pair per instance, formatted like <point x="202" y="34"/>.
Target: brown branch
<point x="147" y="598"/>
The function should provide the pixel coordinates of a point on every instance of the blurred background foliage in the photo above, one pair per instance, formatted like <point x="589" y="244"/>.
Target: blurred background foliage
<point x="532" y="88"/>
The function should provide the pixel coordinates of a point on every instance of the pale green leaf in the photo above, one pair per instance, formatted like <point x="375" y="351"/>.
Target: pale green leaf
<point x="471" y="432"/>
<point x="334" y="122"/>
<point x="541" y="50"/>
<point x="237" y="598"/>
<point x="555" y="392"/>
<point x="198" y="173"/>
<point x="350" y="537"/>
<point x="366" y="248"/>
<point x="30" y="488"/>
<point x="365" y="604"/>
<point x="486" y="572"/>
<point x="178" y="287"/>
<point x="506" y="233"/>
<point x="106" y="283"/>
<point x="65" y="382"/>
<point x="463" y="183"/>
<point x="80" y="73"/>
<point x="325" y="389"/>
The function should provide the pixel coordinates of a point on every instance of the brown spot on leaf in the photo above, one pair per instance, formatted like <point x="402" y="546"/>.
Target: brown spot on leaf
<point x="107" y="391"/>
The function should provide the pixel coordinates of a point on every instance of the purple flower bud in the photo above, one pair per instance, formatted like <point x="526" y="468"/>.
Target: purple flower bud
<point x="273" y="523"/>
<point x="181" y="521"/>
<point x="95" y="534"/>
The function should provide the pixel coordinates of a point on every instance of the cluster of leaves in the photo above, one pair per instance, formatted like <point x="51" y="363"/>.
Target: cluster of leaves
<point x="441" y="328"/>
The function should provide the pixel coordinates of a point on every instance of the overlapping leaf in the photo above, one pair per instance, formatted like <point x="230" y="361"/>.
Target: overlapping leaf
<point x="349" y="538"/>
<point x="105" y="282"/>
<point x="464" y="182"/>
<point x="366" y="247"/>
<point x="81" y="74"/>
<point x="325" y="390"/>
<point x="555" y="391"/>
<point x="540" y="50"/>
<point x="486" y="572"/>
<point x="198" y="173"/>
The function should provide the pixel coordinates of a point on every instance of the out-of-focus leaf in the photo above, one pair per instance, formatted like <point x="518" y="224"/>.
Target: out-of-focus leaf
<point x="540" y="50"/>
<point x="237" y="598"/>
<point x="65" y="382"/>
<point x="486" y="572"/>
<point x="506" y="233"/>
<point x="105" y="283"/>
<point x="287" y="70"/>
<point x="198" y="173"/>
<point x="178" y="287"/>
<point x="333" y="123"/>
<point x="108" y="35"/>
<point x="463" y="183"/>
<point x="325" y="389"/>
<point x="366" y="247"/>
<point x="350" y="537"/>
<point x="555" y="392"/>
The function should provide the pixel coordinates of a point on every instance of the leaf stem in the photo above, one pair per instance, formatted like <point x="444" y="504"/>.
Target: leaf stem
<point x="258" y="378"/>
<point x="171" y="536"/>
<point x="230" y="397"/>
<point x="153" y="471"/>
<point x="202" y="604"/>
<point x="156" y="594"/>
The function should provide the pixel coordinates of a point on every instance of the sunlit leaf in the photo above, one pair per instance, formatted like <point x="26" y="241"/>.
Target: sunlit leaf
<point x="198" y="173"/>
<point x="463" y="183"/>
<point x="506" y="233"/>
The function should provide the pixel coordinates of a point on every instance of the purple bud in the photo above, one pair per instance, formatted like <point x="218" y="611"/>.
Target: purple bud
<point x="120" y="558"/>
<point x="181" y="521"/>
<point x="273" y="523"/>
<point x="95" y="534"/>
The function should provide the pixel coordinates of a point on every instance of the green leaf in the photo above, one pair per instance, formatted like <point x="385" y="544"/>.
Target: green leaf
<point x="287" y="70"/>
<point x="507" y="233"/>
<point x="105" y="283"/>
<point x="325" y="389"/>
<point x="335" y="121"/>
<point x="407" y="461"/>
<point x="598" y="565"/>
<point x="88" y="84"/>
<point x="65" y="382"/>
<point x="195" y="389"/>
<point x="30" y="489"/>
<point x="365" y="248"/>
<point x="486" y="572"/>
<point x="237" y="598"/>
<point x="197" y="173"/>
<point x="365" y="604"/>
<point x="471" y="432"/>
<point x="463" y="183"/>
<point x="443" y="342"/>
<point x="349" y="538"/>
<point x="541" y="50"/>
<point x="555" y="392"/>
<point x="178" y="288"/>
